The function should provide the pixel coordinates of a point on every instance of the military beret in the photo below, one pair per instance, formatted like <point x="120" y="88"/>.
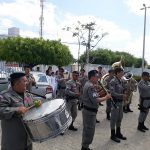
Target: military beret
<point x="111" y="70"/>
<point x="100" y="66"/>
<point x="92" y="73"/>
<point x="16" y="75"/>
<point x="145" y="74"/>
<point x="118" y="70"/>
<point x="75" y="72"/>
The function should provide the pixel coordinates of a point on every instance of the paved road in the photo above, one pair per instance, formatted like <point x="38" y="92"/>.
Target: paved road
<point x="72" y="140"/>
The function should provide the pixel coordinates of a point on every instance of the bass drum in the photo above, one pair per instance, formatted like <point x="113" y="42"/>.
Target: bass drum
<point x="47" y="121"/>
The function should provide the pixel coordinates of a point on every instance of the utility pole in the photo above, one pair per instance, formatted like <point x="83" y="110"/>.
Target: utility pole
<point x="89" y="27"/>
<point x="144" y="8"/>
<point x="41" y="18"/>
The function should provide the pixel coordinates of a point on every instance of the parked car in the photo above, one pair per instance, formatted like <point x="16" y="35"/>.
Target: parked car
<point x="42" y="86"/>
<point x="3" y="81"/>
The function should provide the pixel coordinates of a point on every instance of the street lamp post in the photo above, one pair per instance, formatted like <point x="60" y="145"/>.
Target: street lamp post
<point x="144" y="8"/>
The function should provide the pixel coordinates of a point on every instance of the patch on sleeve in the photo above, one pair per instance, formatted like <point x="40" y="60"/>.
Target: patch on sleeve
<point x="94" y="95"/>
<point x="1" y="97"/>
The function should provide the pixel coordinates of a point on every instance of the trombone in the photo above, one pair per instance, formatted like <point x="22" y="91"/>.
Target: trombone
<point x="113" y="103"/>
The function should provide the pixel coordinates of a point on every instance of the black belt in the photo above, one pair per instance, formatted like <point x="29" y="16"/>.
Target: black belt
<point x="62" y="88"/>
<point x="117" y="100"/>
<point x="90" y="109"/>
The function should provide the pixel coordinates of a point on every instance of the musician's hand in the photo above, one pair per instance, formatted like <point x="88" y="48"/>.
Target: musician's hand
<point x="108" y="96"/>
<point x="77" y="94"/>
<point x="22" y="110"/>
<point x="125" y="97"/>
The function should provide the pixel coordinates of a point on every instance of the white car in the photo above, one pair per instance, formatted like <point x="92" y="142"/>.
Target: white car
<point x="3" y="81"/>
<point x="42" y="86"/>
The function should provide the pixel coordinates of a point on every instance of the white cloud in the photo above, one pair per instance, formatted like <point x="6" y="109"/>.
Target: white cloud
<point x="27" y="33"/>
<point x="4" y="25"/>
<point x="27" y="15"/>
<point x="135" y="47"/>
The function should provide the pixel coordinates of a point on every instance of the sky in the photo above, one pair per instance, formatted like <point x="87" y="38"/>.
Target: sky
<point x="122" y="20"/>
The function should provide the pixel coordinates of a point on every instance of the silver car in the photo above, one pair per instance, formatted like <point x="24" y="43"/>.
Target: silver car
<point x="3" y="81"/>
<point x="42" y="87"/>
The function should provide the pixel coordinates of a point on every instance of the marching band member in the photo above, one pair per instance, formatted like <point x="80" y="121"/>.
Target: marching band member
<point x="13" y="104"/>
<point x="144" y="96"/>
<point x="72" y="95"/>
<point x="61" y="80"/>
<point x="106" y="81"/>
<point x="30" y="78"/>
<point x="91" y="100"/>
<point x="131" y="86"/>
<point x="117" y="88"/>
<point x="83" y="79"/>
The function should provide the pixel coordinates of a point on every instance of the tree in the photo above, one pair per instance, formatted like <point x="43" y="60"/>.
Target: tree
<point x="108" y="57"/>
<point x="86" y="35"/>
<point x="34" y="51"/>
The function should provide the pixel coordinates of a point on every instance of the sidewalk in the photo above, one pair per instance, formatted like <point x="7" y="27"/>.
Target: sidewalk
<point x="72" y="140"/>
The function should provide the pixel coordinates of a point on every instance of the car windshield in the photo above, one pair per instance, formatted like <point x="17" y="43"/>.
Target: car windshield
<point x="40" y="78"/>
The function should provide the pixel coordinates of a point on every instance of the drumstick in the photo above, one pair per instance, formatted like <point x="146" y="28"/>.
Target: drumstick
<point x="30" y="107"/>
<point x="34" y="105"/>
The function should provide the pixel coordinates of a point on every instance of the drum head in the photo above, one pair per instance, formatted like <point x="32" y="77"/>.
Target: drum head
<point x="45" y="109"/>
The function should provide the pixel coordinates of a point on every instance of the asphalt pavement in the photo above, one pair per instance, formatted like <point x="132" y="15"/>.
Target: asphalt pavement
<point x="72" y="140"/>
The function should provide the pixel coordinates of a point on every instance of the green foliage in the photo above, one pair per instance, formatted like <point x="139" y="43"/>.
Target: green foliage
<point x="108" y="57"/>
<point x="34" y="51"/>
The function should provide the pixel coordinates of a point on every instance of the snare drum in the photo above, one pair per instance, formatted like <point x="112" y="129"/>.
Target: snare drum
<point x="47" y="121"/>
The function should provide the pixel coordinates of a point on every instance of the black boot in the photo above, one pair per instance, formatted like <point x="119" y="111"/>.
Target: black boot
<point x="125" y="109"/>
<point x="79" y="106"/>
<point x="100" y="104"/>
<point x="128" y="109"/>
<point x="97" y="121"/>
<point x="113" y="136"/>
<point x="108" y="116"/>
<point x="83" y="148"/>
<point x="140" y="127"/>
<point x="119" y="135"/>
<point x="71" y="127"/>
<point x="144" y="127"/>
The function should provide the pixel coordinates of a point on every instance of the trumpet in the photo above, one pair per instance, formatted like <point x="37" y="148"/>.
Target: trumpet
<point x="113" y="103"/>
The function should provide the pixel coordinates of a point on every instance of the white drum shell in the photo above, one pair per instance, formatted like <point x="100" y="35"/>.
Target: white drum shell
<point x="50" y="125"/>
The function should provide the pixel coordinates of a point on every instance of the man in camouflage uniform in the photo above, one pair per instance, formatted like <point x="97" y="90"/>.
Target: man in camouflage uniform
<point x="72" y="96"/>
<point x="30" y="78"/>
<point x="13" y="104"/>
<point x="91" y="101"/>
<point x="144" y="96"/>
<point x="106" y="82"/>
<point x="83" y="79"/>
<point x="131" y="86"/>
<point x="61" y="83"/>
<point x="117" y="88"/>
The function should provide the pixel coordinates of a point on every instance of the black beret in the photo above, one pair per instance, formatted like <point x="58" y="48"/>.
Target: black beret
<point x="75" y="72"/>
<point x="118" y="70"/>
<point x="92" y="73"/>
<point x="16" y="75"/>
<point x="100" y="66"/>
<point x="110" y="70"/>
<point x="145" y="74"/>
<point x="27" y="66"/>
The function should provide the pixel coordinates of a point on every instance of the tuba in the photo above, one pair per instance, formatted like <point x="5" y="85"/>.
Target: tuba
<point x="118" y="64"/>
